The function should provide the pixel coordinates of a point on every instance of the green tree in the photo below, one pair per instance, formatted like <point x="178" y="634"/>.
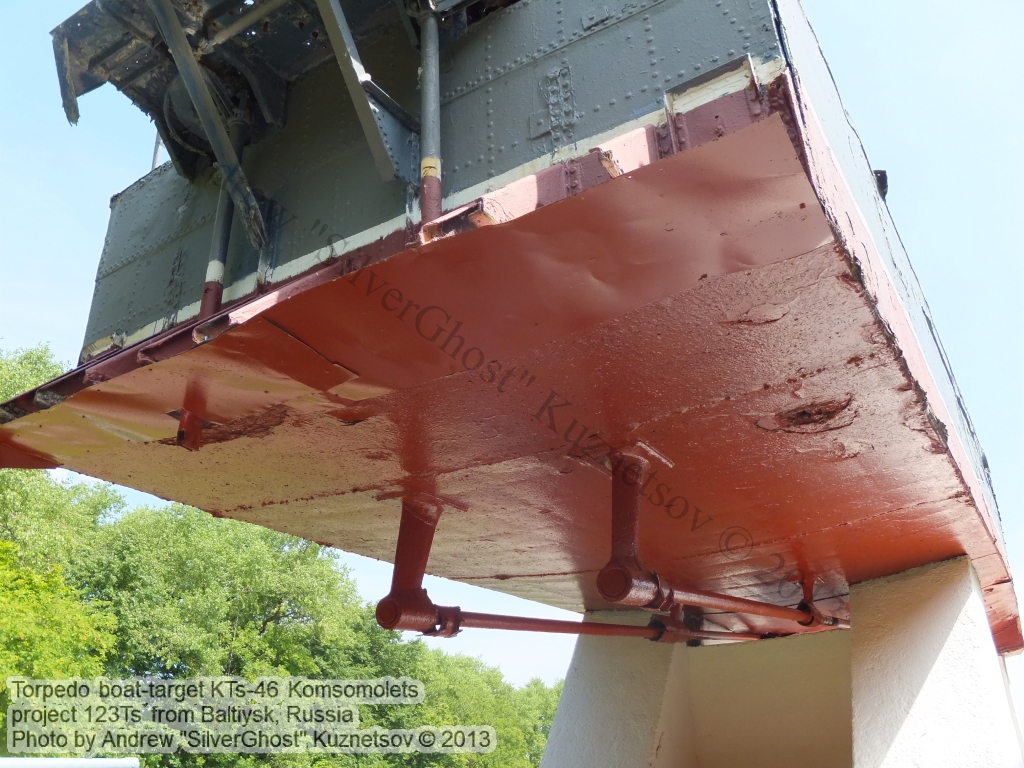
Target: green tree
<point x="536" y="704"/>
<point x="195" y="595"/>
<point x="91" y="588"/>
<point x="47" y="521"/>
<point x="23" y="369"/>
<point x="45" y="628"/>
<point x="200" y="596"/>
<point x="47" y="631"/>
<point x="462" y="690"/>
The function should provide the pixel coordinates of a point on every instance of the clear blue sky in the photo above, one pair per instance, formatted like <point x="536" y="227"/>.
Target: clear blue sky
<point x="932" y="87"/>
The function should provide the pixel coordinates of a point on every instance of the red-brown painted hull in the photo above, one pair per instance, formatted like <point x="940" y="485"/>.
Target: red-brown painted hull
<point x="699" y="304"/>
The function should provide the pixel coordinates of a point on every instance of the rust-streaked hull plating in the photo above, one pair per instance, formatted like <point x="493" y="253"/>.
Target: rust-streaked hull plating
<point x="696" y="301"/>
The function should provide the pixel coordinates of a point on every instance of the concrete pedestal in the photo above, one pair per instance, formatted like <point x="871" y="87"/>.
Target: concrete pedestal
<point x="927" y="684"/>
<point x="916" y="682"/>
<point x="781" y="703"/>
<point x="618" y="692"/>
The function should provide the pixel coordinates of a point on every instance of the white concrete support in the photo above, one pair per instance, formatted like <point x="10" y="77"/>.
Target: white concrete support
<point x="781" y="703"/>
<point x="927" y="685"/>
<point x="1009" y="700"/>
<point x="916" y="683"/>
<point x="614" y="701"/>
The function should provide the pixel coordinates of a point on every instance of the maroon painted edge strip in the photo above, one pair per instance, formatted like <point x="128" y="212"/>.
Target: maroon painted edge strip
<point x="707" y="122"/>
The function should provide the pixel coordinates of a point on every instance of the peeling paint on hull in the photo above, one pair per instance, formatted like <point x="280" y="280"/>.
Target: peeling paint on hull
<point x="699" y="304"/>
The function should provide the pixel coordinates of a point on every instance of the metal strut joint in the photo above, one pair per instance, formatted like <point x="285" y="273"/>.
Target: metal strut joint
<point x="407" y="606"/>
<point x="626" y="580"/>
<point x="216" y="133"/>
<point x="389" y="130"/>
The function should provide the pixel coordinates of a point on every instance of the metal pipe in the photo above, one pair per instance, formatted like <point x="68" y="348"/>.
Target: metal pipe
<point x="157" y="146"/>
<point x="627" y="581"/>
<point x="213" y="288"/>
<point x="805" y="614"/>
<point x="430" y="121"/>
<point x="470" y="620"/>
<point x="213" y="126"/>
<point x="416" y="531"/>
<point x="627" y="484"/>
<point x="241" y="24"/>
<point x="190" y="423"/>
<point x="407" y="606"/>
<point x="716" y="602"/>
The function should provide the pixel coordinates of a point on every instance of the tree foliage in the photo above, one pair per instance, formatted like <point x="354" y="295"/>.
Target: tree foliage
<point x="23" y="369"/>
<point x="46" y="631"/>
<point x="88" y="588"/>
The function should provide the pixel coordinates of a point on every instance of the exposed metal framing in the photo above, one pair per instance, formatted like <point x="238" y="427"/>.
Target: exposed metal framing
<point x="240" y="25"/>
<point x="393" y="145"/>
<point x="403" y="14"/>
<point x="65" y="79"/>
<point x="216" y="132"/>
<point x="270" y="90"/>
